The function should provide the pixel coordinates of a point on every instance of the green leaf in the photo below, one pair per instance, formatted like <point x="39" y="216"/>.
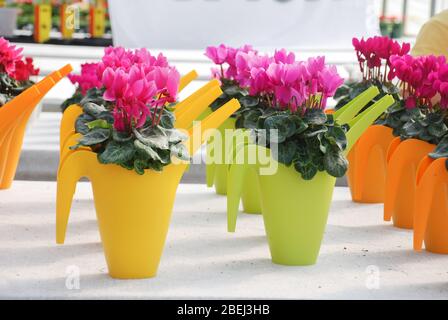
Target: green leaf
<point x="147" y="150"/>
<point x="301" y="126"/>
<point x="249" y="101"/>
<point x="81" y="123"/>
<point x="175" y="136"/>
<point x="335" y="163"/>
<point x="234" y="90"/>
<point x="437" y="130"/>
<point x="308" y="171"/>
<point x="283" y="124"/>
<point x="286" y="152"/>
<point x="153" y="137"/>
<point x="315" y="131"/>
<point x="140" y="165"/>
<point x="95" y="136"/>
<point x="93" y="109"/>
<point x="167" y="119"/>
<point x="99" y="123"/>
<point x="116" y="152"/>
<point x="251" y="118"/>
<point x="336" y="136"/>
<point x="315" y="117"/>
<point x="441" y="150"/>
<point x="121" y="136"/>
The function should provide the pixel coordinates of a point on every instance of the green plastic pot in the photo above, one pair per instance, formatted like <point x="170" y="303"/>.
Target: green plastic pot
<point x="217" y="174"/>
<point x="295" y="211"/>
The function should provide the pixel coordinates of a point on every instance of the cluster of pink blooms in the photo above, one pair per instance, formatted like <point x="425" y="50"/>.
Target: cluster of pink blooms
<point x="422" y="78"/>
<point x="282" y="80"/>
<point x="138" y="83"/>
<point x="14" y="64"/>
<point x="375" y="52"/>
<point x="87" y="79"/>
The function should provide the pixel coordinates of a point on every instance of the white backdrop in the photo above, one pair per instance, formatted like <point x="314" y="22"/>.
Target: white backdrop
<point x="194" y="24"/>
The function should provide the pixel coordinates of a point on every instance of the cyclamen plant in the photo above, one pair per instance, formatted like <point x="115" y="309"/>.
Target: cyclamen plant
<point x="87" y="83"/>
<point x="373" y="55"/>
<point x="126" y="120"/>
<point x="279" y="93"/>
<point x="15" y="71"/>
<point x="422" y="79"/>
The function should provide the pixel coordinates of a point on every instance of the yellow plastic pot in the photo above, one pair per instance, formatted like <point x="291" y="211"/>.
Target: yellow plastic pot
<point x="431" y="206"/>
<point x="368" y="165"/>
<point x="403" y="159"/>
<point x="295" y="211"/>
<point x="133" y="211"/>
<point x="14" y="117"/>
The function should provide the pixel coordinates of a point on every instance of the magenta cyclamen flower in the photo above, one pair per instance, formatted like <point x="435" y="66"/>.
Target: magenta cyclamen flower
<point x="219" y="54"/>
<point x="251" y="70"/>
<point x="88" y="78"/>
<point x="284" y="79"/>
<point x="225" y="55"/>
<point x="280" y="80"/>
<point x="439" y="80"/>
<point x="140" y="85"/>
<point x="417" y="75"/>
<point x="375" y="52"/>
<point x="9" y="56"/>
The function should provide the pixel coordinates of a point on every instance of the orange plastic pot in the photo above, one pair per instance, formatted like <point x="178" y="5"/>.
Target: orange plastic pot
<point x="431" y="206"/>
<point x="403" y="159"/>
<point x="14" y="117"/>
<point x="367" y="169"/>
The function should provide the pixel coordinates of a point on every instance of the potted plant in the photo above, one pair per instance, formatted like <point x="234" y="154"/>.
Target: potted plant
<point x="430" y="206"/>
<point x="308" y="147"/>
<point x="129" y="149"/>
<point x="88" y="86"/>
<point x="234" y="73"/>
<point x="420" y="135"/>
<point x="368" y="166"/>
<point x="225" y="58"/>
<point x="18" y="98"/>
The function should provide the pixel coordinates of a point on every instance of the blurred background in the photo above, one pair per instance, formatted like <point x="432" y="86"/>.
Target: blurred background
<point x="58" y="32"/>
<point x="94" y="21"/>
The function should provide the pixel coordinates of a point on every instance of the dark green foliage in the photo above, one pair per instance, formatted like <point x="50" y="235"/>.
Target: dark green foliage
<point x="93" y="95"/>
<point x="148" y="147"/>
<point x="441" y="150"/>
<point x="10" y="88"/>
<point x="230" y="90"/>
<point x="395" y="116"/>
<point x="428" y="127"/>
<point x="312" y="142"/>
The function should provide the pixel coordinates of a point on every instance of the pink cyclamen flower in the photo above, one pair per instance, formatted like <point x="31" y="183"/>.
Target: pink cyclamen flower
<point x="9" y="55"/>
<point x="374" y="52"/>
<point x="225" y="57"/>
<point x="24" y="69"/>
<point x="418" y="76"/>
<point x="87" y="79"/>
<point x="218" y="54"/>
<point x="140" y="86"/>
